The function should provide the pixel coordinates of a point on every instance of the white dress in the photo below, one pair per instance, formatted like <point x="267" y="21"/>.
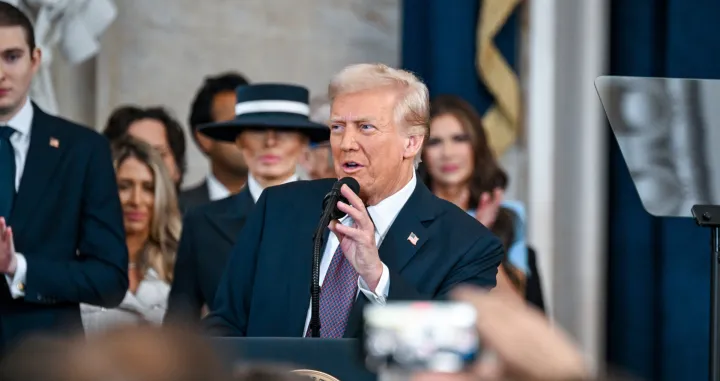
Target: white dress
<point x="146" y="306"/>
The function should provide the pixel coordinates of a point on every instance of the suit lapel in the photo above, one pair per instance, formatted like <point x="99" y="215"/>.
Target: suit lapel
<point x="42" y="158"/>
<point x="204" y="193"/>
<point x="397" y="249"/>
<point x="228" y="223"/>
<point x="300" y="260"/>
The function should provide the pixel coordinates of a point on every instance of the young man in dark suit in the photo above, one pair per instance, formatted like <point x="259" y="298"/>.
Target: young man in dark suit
<point x="272" y="146"/>
<point x="62" y="240"/>
<point x="398" y="241"/>
<point x="215" y="102"/>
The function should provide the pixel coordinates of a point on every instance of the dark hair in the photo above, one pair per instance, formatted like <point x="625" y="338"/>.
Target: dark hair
<point x="504" y="228"/>
<point x="200" y="110"/>
<point x="487" y="174"/>
<point x="123" y="117"/>
<point x="12" y="16"/>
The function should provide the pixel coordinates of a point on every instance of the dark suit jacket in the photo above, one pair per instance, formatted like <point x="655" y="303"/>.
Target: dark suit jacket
<point x="194" y="197"/>
<point x="533" y="290"/>
<point x="265" y="290"/>
<point x="209" y="233"/>
<point x="67" y="222"/>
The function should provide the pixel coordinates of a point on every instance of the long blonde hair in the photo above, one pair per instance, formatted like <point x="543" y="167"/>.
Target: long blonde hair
<point x="162" y="244"/>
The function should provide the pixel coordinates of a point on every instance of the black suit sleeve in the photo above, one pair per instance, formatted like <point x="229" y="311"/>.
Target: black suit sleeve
<point x="231" y="307"/>
<point x="533" y="289"/>
<point x="186" y="301"/>
<point x="478" y="266"/>
<point x="98" y="274"/>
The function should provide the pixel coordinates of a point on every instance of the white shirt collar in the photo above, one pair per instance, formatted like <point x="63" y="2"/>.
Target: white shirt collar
<point x="256" y="189"/>
<point x="216" y="189"/>
<point x="384" y="213"/>
<point x="22" y="121"/>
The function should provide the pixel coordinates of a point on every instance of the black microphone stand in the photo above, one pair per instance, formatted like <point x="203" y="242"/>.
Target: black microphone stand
<point x="709" y="216"/>
<point x="315" y="281"/>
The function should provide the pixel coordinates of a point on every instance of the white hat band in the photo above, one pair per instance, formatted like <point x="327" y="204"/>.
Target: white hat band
<point x="292" y="107"/>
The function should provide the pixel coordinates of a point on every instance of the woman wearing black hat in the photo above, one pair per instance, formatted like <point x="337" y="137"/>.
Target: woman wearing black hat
<point x="272" y="129"/>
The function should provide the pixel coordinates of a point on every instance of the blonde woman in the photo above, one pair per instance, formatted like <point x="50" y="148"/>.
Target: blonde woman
<point x="152" y="228"/>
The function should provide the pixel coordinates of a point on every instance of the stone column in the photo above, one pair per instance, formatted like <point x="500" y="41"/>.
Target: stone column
<point x="567" y="156"/>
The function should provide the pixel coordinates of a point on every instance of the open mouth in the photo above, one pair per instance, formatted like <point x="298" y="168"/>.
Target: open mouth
<point x="351" y="166"/>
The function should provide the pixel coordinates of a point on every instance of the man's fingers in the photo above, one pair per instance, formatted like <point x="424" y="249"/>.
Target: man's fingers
<point x="351" y="211"/>
<point x="333" y="228"/>
<point x="346" y="231"/>
<point x="352" y="198"/>
<point x="361" y="218"/>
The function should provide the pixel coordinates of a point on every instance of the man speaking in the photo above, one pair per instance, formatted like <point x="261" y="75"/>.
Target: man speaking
<point x="396" y="241"/>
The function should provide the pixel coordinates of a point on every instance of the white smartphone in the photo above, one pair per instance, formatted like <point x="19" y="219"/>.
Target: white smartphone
<point x="419" y="336"/>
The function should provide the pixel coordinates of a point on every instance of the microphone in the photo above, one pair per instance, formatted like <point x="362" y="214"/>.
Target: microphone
<point x="334" y="196"/>
<point x="330" y="212"/>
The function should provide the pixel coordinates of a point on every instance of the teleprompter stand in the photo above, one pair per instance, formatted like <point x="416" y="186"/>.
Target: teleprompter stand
<point x="709" y="216"/>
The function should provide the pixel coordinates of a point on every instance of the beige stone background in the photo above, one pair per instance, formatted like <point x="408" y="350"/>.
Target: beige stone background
<point x="157" y="52"/>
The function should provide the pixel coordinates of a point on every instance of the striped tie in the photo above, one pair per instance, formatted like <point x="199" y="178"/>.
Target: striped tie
<point x="337" y="296"/>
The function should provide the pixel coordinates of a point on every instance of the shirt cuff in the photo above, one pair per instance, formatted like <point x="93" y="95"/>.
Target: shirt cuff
<point x="17" y="282"/>
<point x="379" y="295"/>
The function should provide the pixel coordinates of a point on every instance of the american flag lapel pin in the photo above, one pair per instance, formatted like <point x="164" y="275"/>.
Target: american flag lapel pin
<point x="413" y="239"/>
<point x="54" y="143"/>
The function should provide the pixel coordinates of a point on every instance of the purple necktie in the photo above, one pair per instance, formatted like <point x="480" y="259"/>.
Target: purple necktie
<point x="337" y="295"/>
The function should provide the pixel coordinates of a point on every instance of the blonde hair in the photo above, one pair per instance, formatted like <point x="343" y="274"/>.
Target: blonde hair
<point x="165" y="227"/>
<point x="413" y="107"/>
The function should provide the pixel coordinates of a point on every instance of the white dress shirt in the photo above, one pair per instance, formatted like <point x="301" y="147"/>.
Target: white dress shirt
<point x="383" y="215"/>
<point x="20" y="140"/>
<point x="216" y="189"/>
<point x="256" y="189"/>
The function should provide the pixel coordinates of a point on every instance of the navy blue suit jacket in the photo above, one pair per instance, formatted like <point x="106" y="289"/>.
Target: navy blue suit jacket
<point x="265" y="290"/>
<point x="67" y="222"/>
<point x="208" y="236"/>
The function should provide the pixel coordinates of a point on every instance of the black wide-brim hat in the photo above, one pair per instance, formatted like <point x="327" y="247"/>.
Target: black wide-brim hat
<point x="269" y="106"/>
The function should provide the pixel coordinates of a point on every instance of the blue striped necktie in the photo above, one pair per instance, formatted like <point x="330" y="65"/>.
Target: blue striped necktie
<point x="7" y="172"/>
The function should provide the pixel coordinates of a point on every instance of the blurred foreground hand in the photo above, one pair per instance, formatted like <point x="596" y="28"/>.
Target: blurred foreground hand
<point x="518" y="343"/>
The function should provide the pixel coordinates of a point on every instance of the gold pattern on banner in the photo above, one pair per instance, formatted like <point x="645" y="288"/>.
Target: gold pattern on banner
<point x="502" y="119"/>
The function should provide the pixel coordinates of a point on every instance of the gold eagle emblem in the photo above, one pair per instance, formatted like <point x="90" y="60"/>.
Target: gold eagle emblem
<point x="315" y="375"/>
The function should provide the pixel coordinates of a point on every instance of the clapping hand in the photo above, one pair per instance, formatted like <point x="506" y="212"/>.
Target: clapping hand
<point x="489" y="206"/>
<point x="8" y="261"/>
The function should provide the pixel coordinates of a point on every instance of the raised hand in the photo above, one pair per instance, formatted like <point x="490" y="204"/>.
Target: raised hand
<point x="358" y="241"/>
<point x="8" y="261"/>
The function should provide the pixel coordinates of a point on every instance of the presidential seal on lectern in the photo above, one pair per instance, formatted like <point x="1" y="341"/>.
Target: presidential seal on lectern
<point x="315" y="375"/>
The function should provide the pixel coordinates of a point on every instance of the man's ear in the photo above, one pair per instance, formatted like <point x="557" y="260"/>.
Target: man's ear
<point x="35" y="59"/>
<point x="413" y="144"/>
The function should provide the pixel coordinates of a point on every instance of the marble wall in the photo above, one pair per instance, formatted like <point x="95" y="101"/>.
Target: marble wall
<point x="157" y="52"/>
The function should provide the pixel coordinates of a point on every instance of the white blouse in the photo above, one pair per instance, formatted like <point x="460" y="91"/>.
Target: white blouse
<point x="146" y="306"/>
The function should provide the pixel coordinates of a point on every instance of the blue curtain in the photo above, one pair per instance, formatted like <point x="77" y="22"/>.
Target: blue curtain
<point x="439" y="45"/>
<point x="659" y="269"/>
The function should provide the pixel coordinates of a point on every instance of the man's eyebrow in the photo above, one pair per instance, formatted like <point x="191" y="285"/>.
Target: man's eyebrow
<point x="351" y="119"/>
<point x="12" y="50"/>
